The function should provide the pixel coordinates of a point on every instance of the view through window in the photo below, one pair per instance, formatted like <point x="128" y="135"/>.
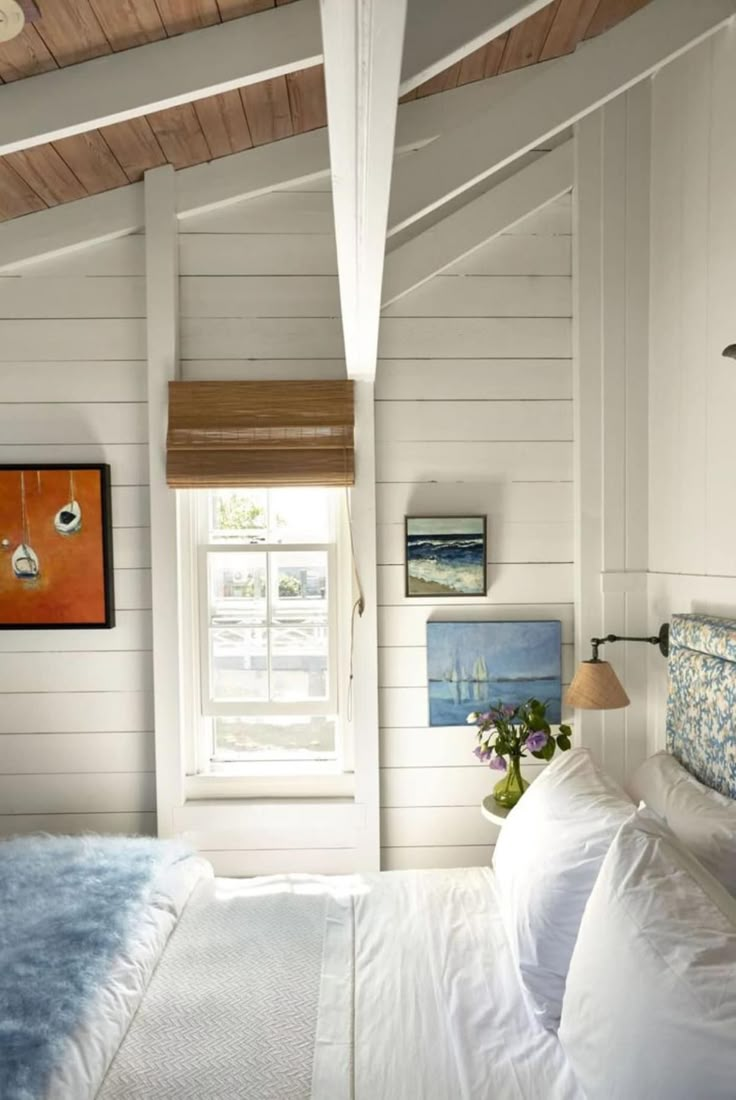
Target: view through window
<point x="268" y="645"/>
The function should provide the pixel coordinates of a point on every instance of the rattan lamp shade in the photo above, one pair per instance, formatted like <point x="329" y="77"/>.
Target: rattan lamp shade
<point x="596" y="686"/>
<point x="260" y="434"/>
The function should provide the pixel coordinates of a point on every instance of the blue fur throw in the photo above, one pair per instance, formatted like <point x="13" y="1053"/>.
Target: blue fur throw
<point x="67" y="905"/>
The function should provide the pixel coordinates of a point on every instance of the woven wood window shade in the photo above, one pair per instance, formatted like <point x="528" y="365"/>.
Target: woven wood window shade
<point x="259" y="434"/>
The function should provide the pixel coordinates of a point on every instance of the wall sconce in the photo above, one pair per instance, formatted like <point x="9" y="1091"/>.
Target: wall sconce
<point x="596" y="686"/>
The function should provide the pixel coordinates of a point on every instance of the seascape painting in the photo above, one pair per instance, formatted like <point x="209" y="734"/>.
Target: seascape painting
<point x="445" y="555"/>
<point x="471" y="665"/>
<point x="55" y="547"/>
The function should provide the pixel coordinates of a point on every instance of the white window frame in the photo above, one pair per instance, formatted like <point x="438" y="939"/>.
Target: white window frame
<point x="329" y="776"/>
<point x="212" y="708"/>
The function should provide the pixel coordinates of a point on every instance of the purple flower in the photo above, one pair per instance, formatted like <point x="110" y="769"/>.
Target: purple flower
<point x="483" y="754"/>
<point x="536" y="741"/>
<point x="508" y="710"/>
<point x="498" y="764"/>
<point x="487" y="716"/>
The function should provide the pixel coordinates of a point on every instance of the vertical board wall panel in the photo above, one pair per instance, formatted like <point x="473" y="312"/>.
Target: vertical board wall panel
<point x="452" y="410"/>
<point x="76" y="741"/>
<point x="692" y="388"/>
<point x="611" y="370"/>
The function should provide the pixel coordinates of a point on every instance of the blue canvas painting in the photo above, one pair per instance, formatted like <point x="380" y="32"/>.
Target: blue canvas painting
<point x="446" y="556"/>
<point x="473" y="665"/>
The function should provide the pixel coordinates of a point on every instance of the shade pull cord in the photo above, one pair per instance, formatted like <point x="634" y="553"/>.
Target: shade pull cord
<point x="358" y="608"/>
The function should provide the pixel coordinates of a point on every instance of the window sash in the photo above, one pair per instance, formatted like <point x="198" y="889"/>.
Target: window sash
<point x="212" y="707"/>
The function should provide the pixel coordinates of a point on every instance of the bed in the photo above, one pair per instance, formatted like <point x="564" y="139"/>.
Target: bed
<point x="364" y="987"/>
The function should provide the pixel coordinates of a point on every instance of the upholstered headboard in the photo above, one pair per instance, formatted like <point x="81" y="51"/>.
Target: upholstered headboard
<point x="701" y="705"/>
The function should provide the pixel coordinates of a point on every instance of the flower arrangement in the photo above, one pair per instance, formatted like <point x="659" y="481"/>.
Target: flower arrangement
<point x="513" y="731"/>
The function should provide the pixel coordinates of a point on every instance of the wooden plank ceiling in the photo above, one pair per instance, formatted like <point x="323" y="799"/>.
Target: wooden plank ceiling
<point x="70" y="31"/>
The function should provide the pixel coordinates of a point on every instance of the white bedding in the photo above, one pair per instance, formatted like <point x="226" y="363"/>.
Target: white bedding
<point x="367" y="987"/>
<point x="439" y="1010"/>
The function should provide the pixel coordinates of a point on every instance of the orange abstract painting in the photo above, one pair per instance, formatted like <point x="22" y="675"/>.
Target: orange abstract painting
<point x="55" y="552"/>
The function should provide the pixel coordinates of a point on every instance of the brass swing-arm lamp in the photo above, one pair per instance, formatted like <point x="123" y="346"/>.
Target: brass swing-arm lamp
<point x="596" y="686"/>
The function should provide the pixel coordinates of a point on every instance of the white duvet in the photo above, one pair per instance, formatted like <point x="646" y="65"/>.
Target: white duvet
<point x="397" y="986"/>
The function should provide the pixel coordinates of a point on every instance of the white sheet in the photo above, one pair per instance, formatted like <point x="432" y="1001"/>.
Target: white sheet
<point x="439" y="1010"/>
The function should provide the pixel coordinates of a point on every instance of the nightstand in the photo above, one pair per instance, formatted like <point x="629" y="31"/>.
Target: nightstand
<point x="492" y="811"/>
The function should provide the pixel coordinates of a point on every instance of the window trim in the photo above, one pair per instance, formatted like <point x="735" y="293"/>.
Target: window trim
<point x="333" y="776"/>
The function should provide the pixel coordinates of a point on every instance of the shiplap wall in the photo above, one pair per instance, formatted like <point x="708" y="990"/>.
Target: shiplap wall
<point x="692" y="388"/>
<point x="76" y="741"/>
<point x="474" y="416"/>
<point x="611" y="273"/>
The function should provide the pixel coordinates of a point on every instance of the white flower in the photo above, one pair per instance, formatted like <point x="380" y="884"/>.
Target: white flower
<point x="472" y="718"/>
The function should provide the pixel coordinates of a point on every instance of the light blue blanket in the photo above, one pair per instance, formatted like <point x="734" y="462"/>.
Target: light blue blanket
<point x="67" y="905"/>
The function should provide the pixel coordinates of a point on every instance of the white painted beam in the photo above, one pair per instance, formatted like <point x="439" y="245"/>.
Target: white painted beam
<point x="158" y="75"/>
<point x="477" y="223"/>
<point x="438" y="34"/>
<point x="76" y="225"/>
<point x="162" y="332"/>
<point x="252" y="172"/>
<point x="362" y="45"/>
<point x="550" y="98"/>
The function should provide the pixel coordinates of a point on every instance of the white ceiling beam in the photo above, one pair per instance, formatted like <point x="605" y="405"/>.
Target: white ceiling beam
<point x="522" y="114"/>
<point x="158" y="75"/>
<point x="67" y="228"/>
<point x="438" y="34"/>
<point x="477" y="223"/>
<point x="362" y="44"/>
<point x="241" y="176"/>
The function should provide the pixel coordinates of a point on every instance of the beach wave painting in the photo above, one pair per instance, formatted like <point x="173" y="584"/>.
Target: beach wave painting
<point x="475" y="665"/>
<point x="446" y="556"/>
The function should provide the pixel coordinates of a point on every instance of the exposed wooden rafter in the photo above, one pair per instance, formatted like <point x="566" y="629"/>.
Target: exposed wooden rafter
<point x="363" y="45"/>
<point x="478" y="222"/>
<point x="159" y="75"/>
<point x="439" y="34"/>
<point x="550" y="99"/>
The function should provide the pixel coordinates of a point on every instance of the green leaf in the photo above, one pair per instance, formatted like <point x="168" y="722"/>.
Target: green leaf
<point x="564" y="742"/>
<point x="566" y="730"/>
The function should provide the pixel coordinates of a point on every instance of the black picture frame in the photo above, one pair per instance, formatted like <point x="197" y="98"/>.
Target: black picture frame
<point x="427" y="588"/>
<point x="103" y="469"/>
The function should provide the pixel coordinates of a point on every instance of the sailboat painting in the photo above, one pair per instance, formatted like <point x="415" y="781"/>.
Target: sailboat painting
<point x="55" y="547"/>
<point x="473" y="665"/>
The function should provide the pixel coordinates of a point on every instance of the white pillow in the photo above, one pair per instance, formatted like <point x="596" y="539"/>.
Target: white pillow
<point x="546" y="860"/>
<point x="650" y="1004"/>
<point x="704" y="820"/>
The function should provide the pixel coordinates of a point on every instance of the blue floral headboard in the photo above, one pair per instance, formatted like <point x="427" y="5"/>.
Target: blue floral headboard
<point x="701" y="705"/>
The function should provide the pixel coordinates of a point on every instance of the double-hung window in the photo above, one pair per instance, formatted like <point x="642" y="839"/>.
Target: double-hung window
<point x="268" y="583"/>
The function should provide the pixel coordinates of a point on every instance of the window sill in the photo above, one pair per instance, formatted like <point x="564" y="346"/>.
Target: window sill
<point x="222" y="787"/>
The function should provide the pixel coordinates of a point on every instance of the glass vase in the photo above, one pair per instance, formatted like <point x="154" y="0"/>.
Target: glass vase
<point x="509" y="790"/>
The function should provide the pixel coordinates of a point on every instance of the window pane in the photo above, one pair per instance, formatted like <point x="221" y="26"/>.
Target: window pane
<point x="273" y="738"/>
<point x="299" y="663"/>
<point x="237" y="588"/>
<point x="299" y="586"/>
<point x="238" y="514"/>
<point x="239" y="662"/>
<point x="299" y="515"/>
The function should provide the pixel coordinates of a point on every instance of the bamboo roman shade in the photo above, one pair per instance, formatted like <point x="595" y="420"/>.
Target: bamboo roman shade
<point x="260" y="434"/>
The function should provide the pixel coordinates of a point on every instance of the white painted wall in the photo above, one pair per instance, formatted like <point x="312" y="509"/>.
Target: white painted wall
<point x="76" y="741"/>
<point x="473" y="415"/>
<point x="611" y="263"/>
<point x="692" y="389"/>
